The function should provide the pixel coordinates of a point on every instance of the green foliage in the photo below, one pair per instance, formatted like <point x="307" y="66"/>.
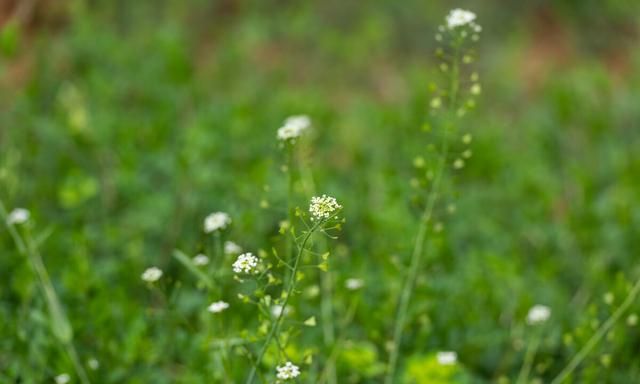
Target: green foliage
<point x="125" y="124"/>
<point x="427" y="369"/>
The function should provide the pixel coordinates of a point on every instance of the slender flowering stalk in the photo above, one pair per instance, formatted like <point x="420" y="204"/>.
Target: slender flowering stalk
<point x="599" y="334"/>
<point x="537" y="315"/>
<point x="326" y="298"/>
<point x="275" y="328"/>
<point x="60" y="325"/>
<point x="460" y="27"/>
<point x="289" y="289"/>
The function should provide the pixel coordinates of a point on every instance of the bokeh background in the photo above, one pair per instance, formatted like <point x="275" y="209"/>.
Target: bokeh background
<point x="123" y="123"/>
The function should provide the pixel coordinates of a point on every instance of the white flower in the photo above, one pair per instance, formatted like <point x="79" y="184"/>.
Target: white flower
<point x="538" y="314"/>
<point x="218" y="307"/>
<point x="276" y="310"/>
<point x="459" y="17"/>
<point x="152" y="274"/>
<point x="93" y="364"/>
<point x="287" y="371"/>
<point x="62" y="378"/>
<point x="18" y="216"/>
<point x="216" y="221"/>
<point x="293" y="127"/>
<point x="246" y="263"/>
<point x="354" y="284"/>
<point x="200" y="260"/>
<point x="322" y="207"/>
<point x="447" y="357"/>
<point x="231" y="248"/>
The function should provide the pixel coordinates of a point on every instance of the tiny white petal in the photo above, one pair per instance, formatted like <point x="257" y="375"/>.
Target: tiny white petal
<point x="200" y="260"/>
<point x="276" y="310"/>
<point x="447" y="357"/>
<point x="538" y="314"/>
<point x="293" y="127"/>
<point x="216" y="221"/>
<point x="62" y="378"/>
<point x="18" y="216"/>
<point x="231" y="248"/>
<point x="152" y="274"/>
<point x="93" y="364"/>
<point x="354" y="284"/>
<point x="218" y="306"/>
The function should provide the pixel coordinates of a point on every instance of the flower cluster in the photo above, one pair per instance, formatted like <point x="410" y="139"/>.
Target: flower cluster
<point x="200" y="260"/>
<point x="322" y="207"/>
<point x="231" y="248"/>
<point x="18" y="216"/>
<point x="293" y="127"/>
<point x="62" y="378"/>
<point x="245" y="263"/>
<point x="287" y="371"/>
<point x="538" y="314"/>
<point x="447" y="357"/>
<point x="152" y="274"/>
<point x="353" y="284"/>
<point x="459" y="17"/>
<point x="216" y="221"/>
<point x="218" y="306"/>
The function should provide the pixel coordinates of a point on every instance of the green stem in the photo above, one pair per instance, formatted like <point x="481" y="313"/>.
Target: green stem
<point x="407" y="289"/>
<point x="532" y="348"/>
<point x="60" y="323"/>
<point x="604" y="328"/>
<point x="275" y="328"/>
<point x="416" y="256"/>
<point x="327" y="321"/>
<point x="326" y="299"/>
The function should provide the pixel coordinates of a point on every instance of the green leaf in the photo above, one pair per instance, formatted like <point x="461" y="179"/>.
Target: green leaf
<point x="310" y="322"/>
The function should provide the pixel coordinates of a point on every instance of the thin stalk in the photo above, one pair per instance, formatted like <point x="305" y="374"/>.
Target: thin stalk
<point x="416" y="256"/>
<point x="604" y="328"/>
<point x="61" y="326"/>
<point x="326" y="306"/>
<point x="275" y="328"/>
<point x="532" y="348"/>
<point x="326" y="289"/>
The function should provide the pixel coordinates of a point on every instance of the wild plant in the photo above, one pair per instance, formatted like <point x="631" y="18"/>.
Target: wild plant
<point x="268" y="280"/>
<point x="19" y="225"/>
<point x="449" y="152"/>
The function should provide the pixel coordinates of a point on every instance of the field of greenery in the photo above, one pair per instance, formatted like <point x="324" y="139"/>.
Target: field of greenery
<point x="261" y="191"/>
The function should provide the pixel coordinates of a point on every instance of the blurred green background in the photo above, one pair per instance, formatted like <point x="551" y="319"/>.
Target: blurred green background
<point x="123" y="123"/>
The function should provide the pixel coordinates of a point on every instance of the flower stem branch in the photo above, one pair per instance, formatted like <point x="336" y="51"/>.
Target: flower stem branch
<point x="604" y="328"/>
<point x="275" y="328"/>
